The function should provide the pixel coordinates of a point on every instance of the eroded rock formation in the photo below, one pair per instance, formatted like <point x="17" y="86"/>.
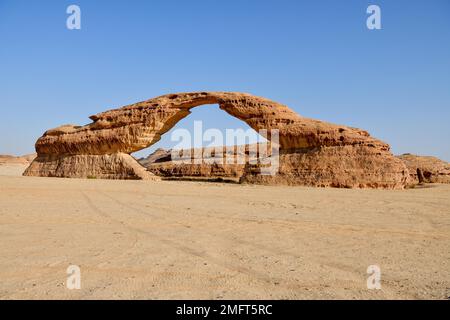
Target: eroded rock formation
<point x="312" y="152"/>
<point x="229" y="165"/>
<point x="426" y="169"/>
<point x="91" y="166"/>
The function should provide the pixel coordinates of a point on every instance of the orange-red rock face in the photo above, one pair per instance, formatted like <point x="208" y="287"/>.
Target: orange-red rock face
<point x="431" y="169"/>
<point x="7" y="159"/>
<point x="349" y="157"/>
<point x="342" y="166"/>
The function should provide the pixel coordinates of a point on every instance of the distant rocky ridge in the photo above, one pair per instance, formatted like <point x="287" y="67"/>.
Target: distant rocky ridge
<point x="429" y="169"/>
<point x="20" y="160"/>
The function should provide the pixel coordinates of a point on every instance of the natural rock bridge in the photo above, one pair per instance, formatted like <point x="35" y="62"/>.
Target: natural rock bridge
<point x="312" y="152"/>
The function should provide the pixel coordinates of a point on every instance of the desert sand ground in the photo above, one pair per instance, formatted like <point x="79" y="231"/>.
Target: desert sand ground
<point x="199" y="240"/>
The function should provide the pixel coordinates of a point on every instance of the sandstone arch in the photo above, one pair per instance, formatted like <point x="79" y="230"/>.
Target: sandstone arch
<point x="312" y="152"/>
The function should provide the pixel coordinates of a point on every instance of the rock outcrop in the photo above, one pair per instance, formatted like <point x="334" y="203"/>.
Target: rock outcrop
<point x="104" y="166"/>
<point x="426" y="169"/>
<point x="229" y="165"/>
<point x="312" y="152"/>
<point x="160" y="155"/>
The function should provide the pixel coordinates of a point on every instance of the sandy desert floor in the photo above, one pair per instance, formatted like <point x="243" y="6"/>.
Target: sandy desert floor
<point x="199" y="240"/>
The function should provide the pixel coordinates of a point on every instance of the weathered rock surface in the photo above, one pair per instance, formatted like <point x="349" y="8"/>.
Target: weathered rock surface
<point x="348" y="157"/>
<point x="342" y="167"/>
<point x="211" y="172"/>
<point x="430" y="169"/>
<point x="105" y="166"/>
<point x="308" y="167"/>
<point x="228" y="165"/>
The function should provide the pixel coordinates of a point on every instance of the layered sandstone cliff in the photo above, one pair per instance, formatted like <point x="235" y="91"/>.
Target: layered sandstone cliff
<point x="312" y="152"/>
<point x="426" y="169"/>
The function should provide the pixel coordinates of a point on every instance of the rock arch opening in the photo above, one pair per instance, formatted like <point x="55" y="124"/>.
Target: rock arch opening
<point x="203" y="118"/>
<point x="217" y="143"/>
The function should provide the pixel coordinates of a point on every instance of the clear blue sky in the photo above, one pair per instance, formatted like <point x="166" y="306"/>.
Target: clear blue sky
<point x="317" y="57"/>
